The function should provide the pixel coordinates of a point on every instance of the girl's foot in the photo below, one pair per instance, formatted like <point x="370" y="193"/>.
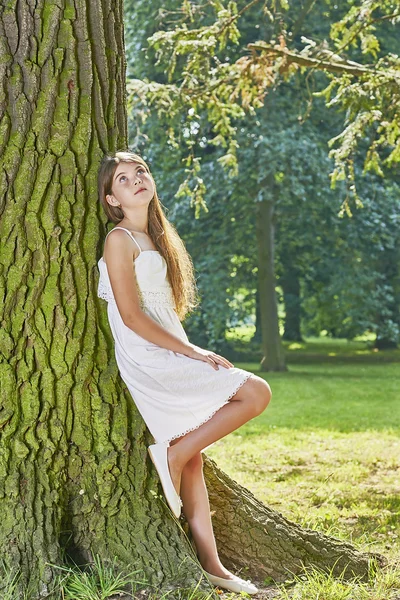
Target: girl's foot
<point x="221" y="577"/>
<point x="217" y="569"/>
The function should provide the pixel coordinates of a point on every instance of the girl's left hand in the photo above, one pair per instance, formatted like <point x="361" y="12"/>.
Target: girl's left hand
<point x="207" y="356"/>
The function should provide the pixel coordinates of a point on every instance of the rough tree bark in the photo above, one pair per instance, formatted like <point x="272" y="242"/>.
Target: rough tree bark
<point x="73" y="465"/>
<point x="75" y="476"/>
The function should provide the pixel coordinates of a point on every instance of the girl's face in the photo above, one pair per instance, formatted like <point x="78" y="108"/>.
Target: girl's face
<point x="132" y="186"/>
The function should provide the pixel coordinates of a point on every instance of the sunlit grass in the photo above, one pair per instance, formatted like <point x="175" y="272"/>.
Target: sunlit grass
<point x="326" y="453"/>
<point x="317" y="348"/>
<point x="97" y="581"/>
<point x="316" y="585"/>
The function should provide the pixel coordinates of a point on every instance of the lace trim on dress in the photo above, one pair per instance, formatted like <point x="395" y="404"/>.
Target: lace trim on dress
<point x="147" y="298"/>
<point x="104" y="292"/>
<point x="209" y="416"/>
<point x="157" y="298"/>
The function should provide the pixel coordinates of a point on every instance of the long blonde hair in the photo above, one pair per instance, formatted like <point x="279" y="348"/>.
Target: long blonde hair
<point x="163" y="234"/>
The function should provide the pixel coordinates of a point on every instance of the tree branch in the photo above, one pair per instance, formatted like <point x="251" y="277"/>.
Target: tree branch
<point x="364" y="26"/>
<point x="349" y="67"/>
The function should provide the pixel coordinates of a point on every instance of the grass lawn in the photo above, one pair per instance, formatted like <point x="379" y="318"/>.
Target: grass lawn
<point x="326" y="452"/>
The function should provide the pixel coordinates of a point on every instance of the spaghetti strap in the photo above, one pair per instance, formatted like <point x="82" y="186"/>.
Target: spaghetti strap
<point x="127" y="231"/>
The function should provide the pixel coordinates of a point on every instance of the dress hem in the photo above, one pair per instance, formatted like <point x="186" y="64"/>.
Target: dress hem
<point x="177" y="435"/>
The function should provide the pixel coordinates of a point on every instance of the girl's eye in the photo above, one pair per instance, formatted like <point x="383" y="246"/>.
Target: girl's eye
<point x="138" y="171"/>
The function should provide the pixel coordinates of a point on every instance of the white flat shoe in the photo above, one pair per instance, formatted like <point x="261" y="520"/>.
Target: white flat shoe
<point x="158" y="454"/>
<point x="234" y="585"/>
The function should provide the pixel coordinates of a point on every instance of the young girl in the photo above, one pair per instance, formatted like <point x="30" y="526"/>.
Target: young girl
<point x="189" y="397"/>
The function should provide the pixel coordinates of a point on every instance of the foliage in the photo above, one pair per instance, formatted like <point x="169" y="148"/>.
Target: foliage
<point x="355" y="287"/>
<point x="346" y="287"/>
<point x="203" y="80"/>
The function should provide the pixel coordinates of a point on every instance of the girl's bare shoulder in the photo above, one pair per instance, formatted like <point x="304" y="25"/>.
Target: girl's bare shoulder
<point x="118" y="243"/>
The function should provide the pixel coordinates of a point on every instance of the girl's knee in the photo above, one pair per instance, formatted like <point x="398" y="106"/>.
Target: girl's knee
<point x="262" y="394"/>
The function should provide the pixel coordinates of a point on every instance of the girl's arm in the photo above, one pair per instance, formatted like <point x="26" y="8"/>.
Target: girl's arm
<point x="150" y="330"/>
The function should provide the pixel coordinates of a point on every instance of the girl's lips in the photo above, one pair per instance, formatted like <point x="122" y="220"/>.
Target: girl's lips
<point x="141" y="190"/>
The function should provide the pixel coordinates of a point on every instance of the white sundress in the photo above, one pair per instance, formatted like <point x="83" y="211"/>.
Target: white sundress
<point x="174" y="394"/>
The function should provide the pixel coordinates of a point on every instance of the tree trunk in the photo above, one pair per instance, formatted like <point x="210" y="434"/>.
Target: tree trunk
<point x="74" y="470"/>
<point x="75" y="477"/>
<point x="388" y="320"/>
<point x="257" y="337"/>
<point x="290" y="283"/>
<point x="273" y="359"/>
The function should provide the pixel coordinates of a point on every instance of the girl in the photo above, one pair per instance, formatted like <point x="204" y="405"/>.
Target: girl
<point x="189" y="397"/>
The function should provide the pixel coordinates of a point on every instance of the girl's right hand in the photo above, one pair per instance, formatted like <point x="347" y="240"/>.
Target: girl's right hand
<point x="207" y="356"/>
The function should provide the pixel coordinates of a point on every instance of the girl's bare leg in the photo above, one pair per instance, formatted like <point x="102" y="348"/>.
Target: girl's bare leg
<point x="186" y="466"/>
<point x="251" y="399"/>
<point x="196" y="508"/>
